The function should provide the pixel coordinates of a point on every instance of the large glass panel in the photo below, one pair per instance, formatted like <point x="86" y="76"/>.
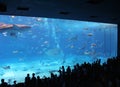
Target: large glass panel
<point x="42" y="45"/>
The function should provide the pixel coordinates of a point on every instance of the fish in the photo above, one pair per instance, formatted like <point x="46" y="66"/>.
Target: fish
<point x="74" y="38"/>
<point x="37" y="73"/>
<point x="83" y="47"/>
<point x="6" y="67"/>
<point x="53" y="71"/>
<point x="93" y="45"/>
<point x="34" y="36"/>
<point x="13" y="30"/>
<point x="85" y="28"/>
<point x="86" y="52"/>
<point x="15" y="51"/>
<point x="90" y="34"/>
<point x="72" y="46"/>
<point x="53" y="51"/>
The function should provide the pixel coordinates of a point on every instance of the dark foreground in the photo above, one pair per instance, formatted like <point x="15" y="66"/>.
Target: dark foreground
<point x="85" y="75"/>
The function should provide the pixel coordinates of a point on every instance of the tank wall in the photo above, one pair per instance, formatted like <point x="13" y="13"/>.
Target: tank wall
<point x="45" y="44"/>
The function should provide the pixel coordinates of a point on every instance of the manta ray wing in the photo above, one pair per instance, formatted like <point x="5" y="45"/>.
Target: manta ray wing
<point x="13" y="29"/>
<point x="5" y="26"/>
<point x="22" y="26"/>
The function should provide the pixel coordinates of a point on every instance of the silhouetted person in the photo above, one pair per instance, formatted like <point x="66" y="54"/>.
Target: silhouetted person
<point x="33" y="80"/>
<point x="3" y="83"/>
<point x="68" y="70"/>
<point x="38" y="82"/>
<point x="14" y="84"/>
<point x="68" y="76"/>
<point x="27" y="81"/>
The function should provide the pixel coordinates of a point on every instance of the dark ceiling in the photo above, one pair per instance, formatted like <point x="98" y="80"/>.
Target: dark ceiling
<point x="84" y="10"/>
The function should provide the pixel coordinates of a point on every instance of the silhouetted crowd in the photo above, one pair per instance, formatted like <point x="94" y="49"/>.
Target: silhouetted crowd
<point x="85" y="75"/>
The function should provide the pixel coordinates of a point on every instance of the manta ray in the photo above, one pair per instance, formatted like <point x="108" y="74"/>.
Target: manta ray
<point x="12" y="29"/>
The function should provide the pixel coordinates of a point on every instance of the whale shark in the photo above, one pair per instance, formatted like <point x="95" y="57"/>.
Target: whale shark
<point x="13" y="29"/>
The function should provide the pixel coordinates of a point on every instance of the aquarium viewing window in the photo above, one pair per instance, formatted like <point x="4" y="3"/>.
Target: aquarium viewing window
<point x="42" y="45"/>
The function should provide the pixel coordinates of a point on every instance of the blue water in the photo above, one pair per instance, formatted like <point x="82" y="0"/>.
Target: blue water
<point x="50" y="43"/>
